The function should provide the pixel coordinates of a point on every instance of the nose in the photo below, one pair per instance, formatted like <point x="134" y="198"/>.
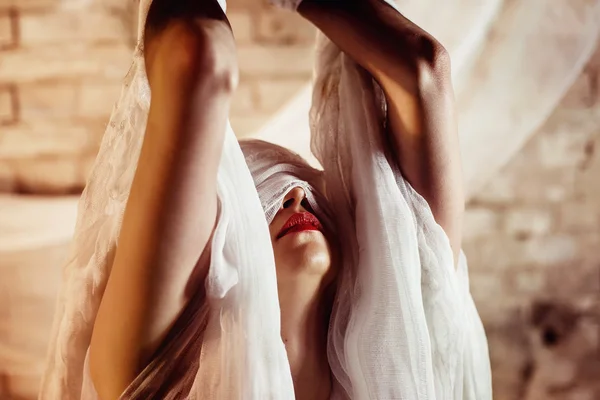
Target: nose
<point x="295" y="199"/>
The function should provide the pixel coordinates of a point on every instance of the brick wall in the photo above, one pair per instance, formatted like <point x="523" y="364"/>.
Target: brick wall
<point x="275" y="50"/>
<point x="60" y="72"/>
<point x="533" y="235"/>
<point x="62" y="63"/>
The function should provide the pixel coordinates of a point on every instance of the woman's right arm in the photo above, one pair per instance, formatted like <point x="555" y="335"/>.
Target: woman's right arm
<point x="172" y="207"/>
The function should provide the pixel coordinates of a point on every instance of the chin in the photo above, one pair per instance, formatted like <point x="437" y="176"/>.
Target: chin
<point x="303" y="253"/>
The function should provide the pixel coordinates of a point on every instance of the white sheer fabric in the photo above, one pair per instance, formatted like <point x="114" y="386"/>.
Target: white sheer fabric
<point x="512" y="63"/>
<point x="404" y="325"/>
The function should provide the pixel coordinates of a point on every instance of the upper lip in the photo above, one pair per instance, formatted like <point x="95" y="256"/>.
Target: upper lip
<point x="299" y="218"/>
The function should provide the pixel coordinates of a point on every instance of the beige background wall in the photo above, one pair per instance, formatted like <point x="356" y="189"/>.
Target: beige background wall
<point x="532" y="234"/>
<point x="61" y="69"/>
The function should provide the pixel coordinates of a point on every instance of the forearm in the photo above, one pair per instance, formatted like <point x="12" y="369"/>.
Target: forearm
<point x="413" y="69"/>
<point x="376" y="36"/>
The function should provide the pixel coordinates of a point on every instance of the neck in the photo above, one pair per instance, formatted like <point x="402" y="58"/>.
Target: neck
<point x="304" y="325"/>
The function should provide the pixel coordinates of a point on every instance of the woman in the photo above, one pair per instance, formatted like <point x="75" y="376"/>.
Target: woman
<point x="175" y="208"/>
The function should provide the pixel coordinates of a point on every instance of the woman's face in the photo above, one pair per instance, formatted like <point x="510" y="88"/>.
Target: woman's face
<point x="299" y="241"/>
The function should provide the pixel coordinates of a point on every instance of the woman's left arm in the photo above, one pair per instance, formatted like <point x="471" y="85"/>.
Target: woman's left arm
<point x="413" y="70"/>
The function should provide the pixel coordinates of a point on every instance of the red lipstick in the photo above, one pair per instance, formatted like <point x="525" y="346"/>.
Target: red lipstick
<point x="299" y="222"/>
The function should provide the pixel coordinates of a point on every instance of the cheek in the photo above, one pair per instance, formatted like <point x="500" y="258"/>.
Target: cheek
<point x="274" y="228"/>
<point x="272" y="234"/>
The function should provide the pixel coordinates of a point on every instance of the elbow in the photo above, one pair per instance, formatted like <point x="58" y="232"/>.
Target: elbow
<point x="190" y="54"/>
<point x="433" y="65"/>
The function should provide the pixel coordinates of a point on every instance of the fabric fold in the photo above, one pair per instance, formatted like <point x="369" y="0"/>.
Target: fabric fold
<point x="403" y="326"/>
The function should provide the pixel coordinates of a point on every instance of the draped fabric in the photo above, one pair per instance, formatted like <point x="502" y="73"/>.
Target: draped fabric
<point x="512" y="63"/>
<point x="403" y="326"/>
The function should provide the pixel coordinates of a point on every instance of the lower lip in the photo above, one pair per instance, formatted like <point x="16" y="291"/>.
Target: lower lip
<point x="301" y="228"/>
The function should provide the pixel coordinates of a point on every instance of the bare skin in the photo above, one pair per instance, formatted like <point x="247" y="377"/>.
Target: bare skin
<point x="413" y="69"/>
<point x="171" y="213"/>
<point x="172" y="208"/>
<point x="305" y="271"/>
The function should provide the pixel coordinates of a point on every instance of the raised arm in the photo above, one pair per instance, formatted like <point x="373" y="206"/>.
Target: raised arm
<point x="413" y="69"/>
<point x="172" y="208"/>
